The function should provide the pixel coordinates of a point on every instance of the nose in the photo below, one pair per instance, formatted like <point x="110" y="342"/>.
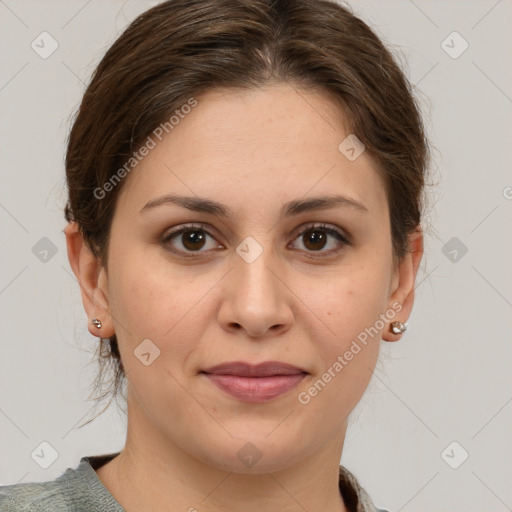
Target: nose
<point x="256" y="298"/>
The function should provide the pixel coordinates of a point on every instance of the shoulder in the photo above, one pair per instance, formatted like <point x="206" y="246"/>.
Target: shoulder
<point x="356" y="498"/>
<point x="77" y="489"/>
<point x="31" y="497"/>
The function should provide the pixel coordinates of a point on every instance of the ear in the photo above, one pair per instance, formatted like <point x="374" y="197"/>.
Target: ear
<point x="93" y="281"/>
<point x="404" y="282"/>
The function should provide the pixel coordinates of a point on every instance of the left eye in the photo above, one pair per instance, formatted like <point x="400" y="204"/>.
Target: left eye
<point x="314" y="239"/>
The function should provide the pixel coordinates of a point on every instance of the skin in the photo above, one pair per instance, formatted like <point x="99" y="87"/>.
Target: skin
<point x="252" y="151"/>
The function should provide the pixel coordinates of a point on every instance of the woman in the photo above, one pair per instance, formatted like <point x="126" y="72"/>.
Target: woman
<point x="244" y="219"/>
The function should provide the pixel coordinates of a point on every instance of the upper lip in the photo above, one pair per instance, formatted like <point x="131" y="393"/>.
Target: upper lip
<point x="243" y="369"/>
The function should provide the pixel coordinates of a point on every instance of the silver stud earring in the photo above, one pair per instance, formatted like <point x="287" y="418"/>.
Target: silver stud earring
<point x="96" y="323"/>
<point x="398" y="327"/>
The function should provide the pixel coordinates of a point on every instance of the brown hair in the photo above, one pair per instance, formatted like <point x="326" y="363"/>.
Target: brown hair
<point x="181" y="48"/>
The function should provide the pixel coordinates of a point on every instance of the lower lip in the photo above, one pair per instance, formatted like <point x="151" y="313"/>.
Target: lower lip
<point x="256" y="389"/>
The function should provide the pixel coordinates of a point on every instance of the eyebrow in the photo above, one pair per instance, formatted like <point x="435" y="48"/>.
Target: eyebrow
<point x="291" y="208"/>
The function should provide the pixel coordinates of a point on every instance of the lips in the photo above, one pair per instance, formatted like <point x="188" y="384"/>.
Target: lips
<point x="255" y="383"/>
<point x="266" y="369"/>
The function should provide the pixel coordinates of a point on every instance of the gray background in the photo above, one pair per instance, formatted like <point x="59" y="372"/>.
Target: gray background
<point x="447" y="380"/>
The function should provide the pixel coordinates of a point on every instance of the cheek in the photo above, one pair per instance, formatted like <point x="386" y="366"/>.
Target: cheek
<point x="143" y="296"/>
<point x="348" y="304"/>
<point x="151" y="300"/>
<point x="347" y="343"/>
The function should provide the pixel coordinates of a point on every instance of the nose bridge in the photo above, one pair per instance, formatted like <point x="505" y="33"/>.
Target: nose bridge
<point x="257" y="298"/>
<point x="255" y="270"/>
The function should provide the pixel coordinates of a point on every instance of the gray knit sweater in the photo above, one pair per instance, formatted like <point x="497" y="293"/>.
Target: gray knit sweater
<point x="80" y="490"/>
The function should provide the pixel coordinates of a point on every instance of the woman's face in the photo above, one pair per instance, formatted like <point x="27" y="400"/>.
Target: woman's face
<point x="250" y="286"/>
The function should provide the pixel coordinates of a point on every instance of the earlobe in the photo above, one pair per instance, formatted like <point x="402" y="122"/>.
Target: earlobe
<point x="404" y="289"/>
<point x="91" y="276"/>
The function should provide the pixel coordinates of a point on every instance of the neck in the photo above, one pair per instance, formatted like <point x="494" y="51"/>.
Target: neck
<point x="152" y="473"/>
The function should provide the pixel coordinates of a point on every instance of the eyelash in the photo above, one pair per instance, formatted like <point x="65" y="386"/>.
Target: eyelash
<point x="313" y="227"/>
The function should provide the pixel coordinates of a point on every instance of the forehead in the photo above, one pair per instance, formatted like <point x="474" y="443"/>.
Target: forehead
<point x="256" y="147"/>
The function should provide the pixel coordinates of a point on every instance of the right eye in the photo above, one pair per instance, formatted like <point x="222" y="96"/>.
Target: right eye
<point x="191" y="237"/>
